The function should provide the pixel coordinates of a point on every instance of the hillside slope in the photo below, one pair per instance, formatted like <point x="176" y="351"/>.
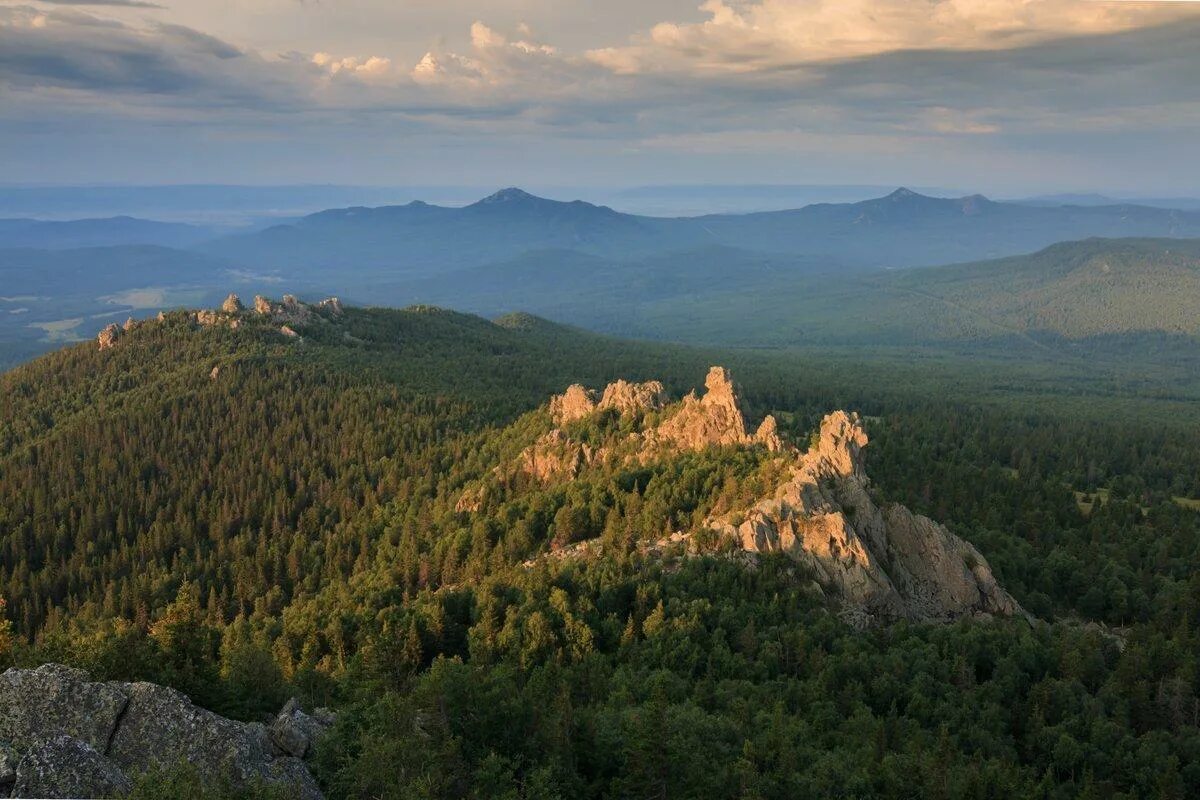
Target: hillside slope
<point x="379" y="511"/>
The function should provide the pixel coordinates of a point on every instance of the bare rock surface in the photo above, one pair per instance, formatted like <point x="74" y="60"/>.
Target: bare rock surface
<point x="232" y="304"/>
<point x="63" y="767"/>
<point x="107" y="338"/>
<point x="57" y="699"/>
<point x="882" y="562"/>
<point x="887" y="562"/>
<point x="78" y="738"/>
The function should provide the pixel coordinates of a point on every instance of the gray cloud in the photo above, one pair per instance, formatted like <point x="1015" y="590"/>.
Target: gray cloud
<point x="1037" y="105"/>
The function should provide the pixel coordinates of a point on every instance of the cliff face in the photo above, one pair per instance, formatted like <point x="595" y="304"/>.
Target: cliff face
<point x="884" y="561"/>
<point x="880" y="561"/>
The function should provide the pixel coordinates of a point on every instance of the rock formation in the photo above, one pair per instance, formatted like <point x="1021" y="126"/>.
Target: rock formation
<point x="107" y="338"/>
<point x="885" y="562"/>
<point x="261" y="305"/>
<point x="712" y="420"/>
<point x="71" y="737"/>
<point x="332" y="305"/>
<point x="623" y="396"/>
<point x="232" y="304"/>
<point x="880" y="562"/>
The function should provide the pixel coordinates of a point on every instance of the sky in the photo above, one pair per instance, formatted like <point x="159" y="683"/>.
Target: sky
<point x="1001" y="96"/>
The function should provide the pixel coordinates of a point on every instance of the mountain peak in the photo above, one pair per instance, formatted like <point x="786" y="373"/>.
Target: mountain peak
<point x="510" y="195"/>
<point x="903" y="194"/>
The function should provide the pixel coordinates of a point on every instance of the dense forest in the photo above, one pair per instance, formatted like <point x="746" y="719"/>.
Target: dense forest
<point x="246" y="516"/>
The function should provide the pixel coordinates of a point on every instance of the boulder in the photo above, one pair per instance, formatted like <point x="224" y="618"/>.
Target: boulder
<point x="287" y="331"/>
<point x="295" y="732"/>
<point x="162" y="727"/>
<point x="62" y="766"/>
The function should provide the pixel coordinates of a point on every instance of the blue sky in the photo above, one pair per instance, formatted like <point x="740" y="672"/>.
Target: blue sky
<point x="1003" y="96"/>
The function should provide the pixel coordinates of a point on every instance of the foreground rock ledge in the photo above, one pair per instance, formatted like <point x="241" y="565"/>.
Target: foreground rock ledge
<point x="72" y="737"/>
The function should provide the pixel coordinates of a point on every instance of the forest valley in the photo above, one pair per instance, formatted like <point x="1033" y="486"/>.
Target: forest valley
<point x="509" y="588"/>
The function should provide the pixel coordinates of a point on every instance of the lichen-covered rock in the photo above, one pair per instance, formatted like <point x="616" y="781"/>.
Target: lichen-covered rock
<point x="233" y="304"/>
<point x="295" y="732"/>
<point x="108" y="337"/>
<point x="103" y="732"/>
<point x="53" y="699"/>
<point x="162" y="727"/>
<point x="8" y="767"/>
<point x="62" y="766"/>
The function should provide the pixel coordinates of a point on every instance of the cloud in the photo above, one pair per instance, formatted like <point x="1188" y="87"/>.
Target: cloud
<point x="372" y="66"/>
<point x="745" y="35"/>
<point x="119" y="3"/>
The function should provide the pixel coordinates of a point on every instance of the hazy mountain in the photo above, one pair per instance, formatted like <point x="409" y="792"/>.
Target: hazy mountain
<point x="109" y="232"/>
<point x="420" y="238"/>
<point x="901" y="229"/>
<point x="1182" y="203"/>
<point x="1072" y="290"/>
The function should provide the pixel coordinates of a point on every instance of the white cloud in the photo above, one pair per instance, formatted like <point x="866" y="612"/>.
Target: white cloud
<point x="751" y="35"/>
<point x="370" y="67"/>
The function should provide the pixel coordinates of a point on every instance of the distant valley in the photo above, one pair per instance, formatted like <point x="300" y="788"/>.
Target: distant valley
<point x="863" y="273"/>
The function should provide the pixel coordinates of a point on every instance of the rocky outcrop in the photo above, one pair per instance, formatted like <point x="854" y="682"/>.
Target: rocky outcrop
<point x="555" y="457"/>
<point x="632" y="398"/>
<point x="881" y="561"/>
<point x="887" y="563"/>
<point x="61" y="766"/>
<point x="107" y="338"/>
<point x="73" y="737"/>
<point x="295" y="733"/>
<point x="262" y="305"/>
<point x="232" y="304"/>
<point x="622" y="396"/>
<point x="712" y="420"/>
<point x="332" y="305"/>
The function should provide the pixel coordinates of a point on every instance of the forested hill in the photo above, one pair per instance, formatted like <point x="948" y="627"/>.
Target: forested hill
<point x="251" y="504"/>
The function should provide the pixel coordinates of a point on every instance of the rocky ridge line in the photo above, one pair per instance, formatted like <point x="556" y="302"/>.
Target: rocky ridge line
<point x="287" y="314"/>
<point x="881" y="562"/>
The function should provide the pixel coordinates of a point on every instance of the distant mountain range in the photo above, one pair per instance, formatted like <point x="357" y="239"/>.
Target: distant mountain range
<point x="903" y="229"/>
<point x="834" y="273"/>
